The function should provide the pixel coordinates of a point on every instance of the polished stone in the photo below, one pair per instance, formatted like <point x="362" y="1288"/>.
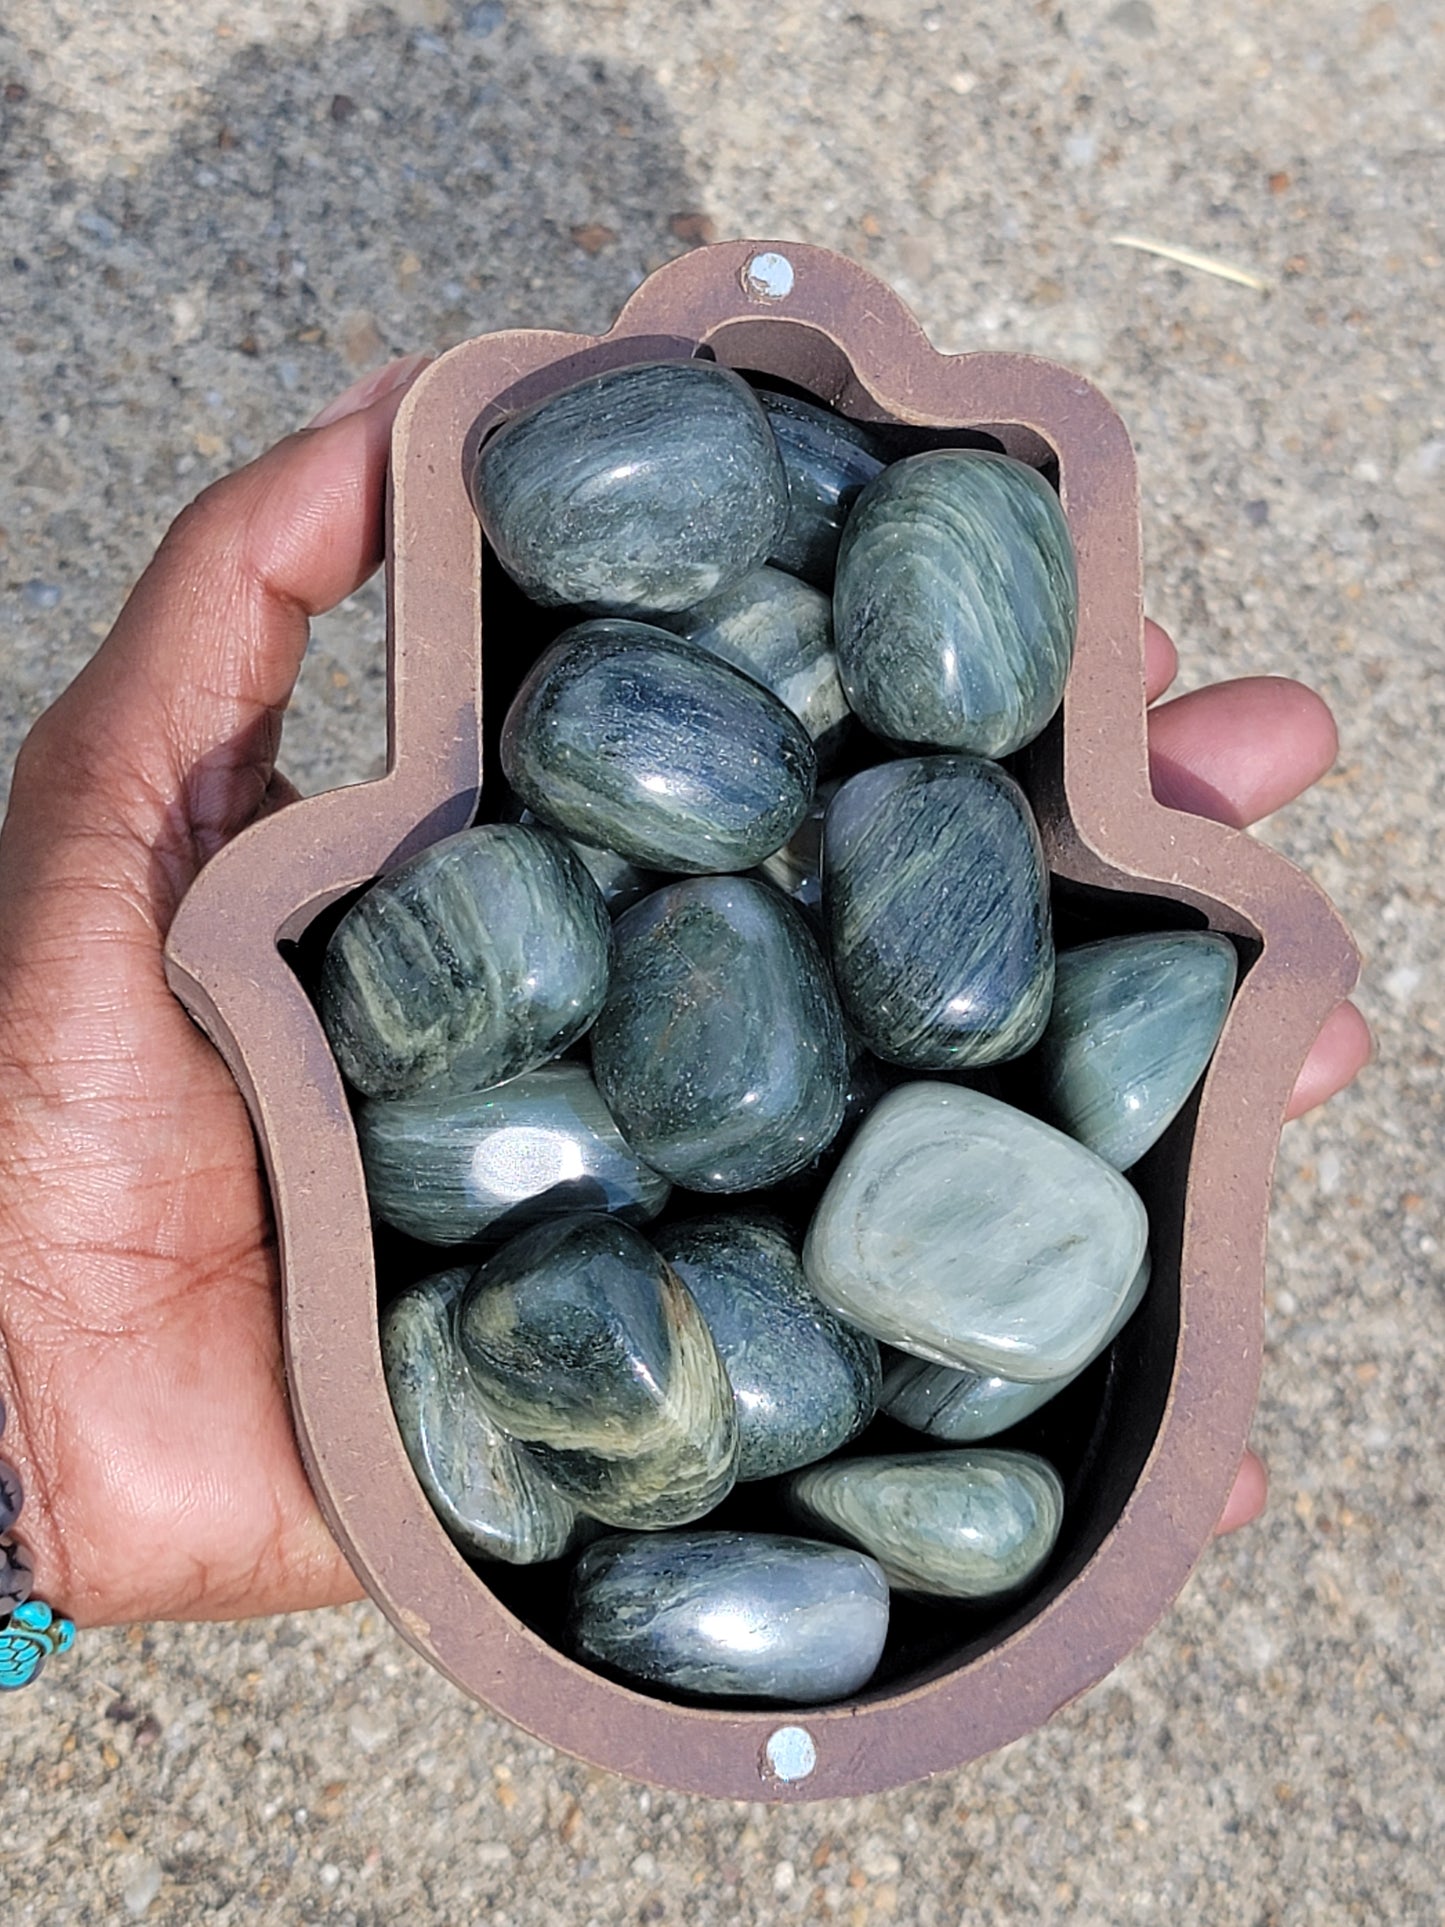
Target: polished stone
<point x="638" y="491"/>
<point x="588" y="1351"/>
<point x="488" y="953"/>
<point x="962" y="1406"/>
<point x="797" y="867"/>
<point x="452" y="1164"/>
<point x="721" y="1050"/>
<point x="956" y="602"/>
<point x="828" y="461"/>
<point x="1134" y="1023"/>
<point x="779" y="631"/>
<point x="958" y="1525"/>
<point x="492" y="1500"/>
<point x="739" y="1615"/>
<point x="632" y="739"/>
<point x="805" y="1381"/>
<point x="936" y="898"/>
<point x="964" y="1231"/>
<point x="621" y="883"/>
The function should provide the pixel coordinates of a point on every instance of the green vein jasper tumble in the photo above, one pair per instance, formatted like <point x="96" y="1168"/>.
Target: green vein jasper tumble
<point x="805" y="1382"/>
<point x="959" y="1525"/>
<point x="936" y="896"/>
<point x="951" y="1402"/>
<point x="750" y="1615"/>
<point x="961" y="1230"/>
<point x="828" y="460"/>
<point x="492" y="1500"/>
<point x="721" y="1050"/>
<point x="588" y="1350"/>
<point x="486" y="954"/>
<point x="779" y="631"/>
<point x="452" y="1164"/>
<point x="638" y="491"/>
<point x="631" y="739"/>
<point x="956" y="602"/>
<point x="1134" y="1022"/>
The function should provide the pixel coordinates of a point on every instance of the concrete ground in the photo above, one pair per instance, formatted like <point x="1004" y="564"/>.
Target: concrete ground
<point x="215" y="215"/>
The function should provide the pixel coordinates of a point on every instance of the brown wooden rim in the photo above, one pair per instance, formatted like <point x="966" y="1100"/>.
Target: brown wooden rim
<point x="847" y="338"/>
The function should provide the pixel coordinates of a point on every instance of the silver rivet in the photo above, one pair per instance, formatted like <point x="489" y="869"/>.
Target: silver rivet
<point x="769" y="277"/>
<point x="790" y="1753"/>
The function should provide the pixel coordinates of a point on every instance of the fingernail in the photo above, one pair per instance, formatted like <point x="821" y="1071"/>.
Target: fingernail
<point x="361" y="394"/>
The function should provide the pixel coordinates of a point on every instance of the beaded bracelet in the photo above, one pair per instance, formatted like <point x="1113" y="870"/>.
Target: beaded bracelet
<point x="29" y="1631"/>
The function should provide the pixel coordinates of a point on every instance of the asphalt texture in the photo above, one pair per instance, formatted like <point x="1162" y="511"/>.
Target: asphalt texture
<point x="215" y="216"/>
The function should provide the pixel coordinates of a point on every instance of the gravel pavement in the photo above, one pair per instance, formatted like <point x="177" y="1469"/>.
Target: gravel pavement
<point x="217" y="214"/>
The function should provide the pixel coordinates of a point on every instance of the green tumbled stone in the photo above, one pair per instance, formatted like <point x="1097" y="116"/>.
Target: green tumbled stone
<point x="956" y="602"/>
<point x="959" y="1525"/>
<point x="936" y="896"/>
<point x="828" y="460"/>
<point x="487" y="954"/>
<point x="779" y="631"/>
<point x="638" y="491"/>
<point x="588" y="1350"/>
<point x="805" y="1381"/>
<point x="961" y="1230"/>
<point x="629" y="738"/>
<point x="721" y="1050"/>
<point x="1134" y="1023"/>
<point x="491" y="1499"/>
<point x="962" y="1406"/>
<point x="752" y="1615"/>
<point x="451" y="1163"/>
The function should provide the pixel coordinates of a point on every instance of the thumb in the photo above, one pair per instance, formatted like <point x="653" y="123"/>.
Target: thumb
<point x="169" y="734"/>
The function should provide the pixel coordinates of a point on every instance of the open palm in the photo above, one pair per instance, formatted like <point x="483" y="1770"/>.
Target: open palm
<point x="140" y="1340"/>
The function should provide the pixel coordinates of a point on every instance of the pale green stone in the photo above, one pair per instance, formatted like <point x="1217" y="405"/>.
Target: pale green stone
<point x="1134" y="1023"/>
<point x="961" y="1525"/>
<point x="961" y="1230"/>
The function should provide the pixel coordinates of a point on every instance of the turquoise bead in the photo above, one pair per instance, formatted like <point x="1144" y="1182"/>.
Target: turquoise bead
<point x="587" y="1350"/>
<point x="828" y="461"/>
<point x="956" y="601"/>
<point x="804" y="1381"/>
<point x="936" y="896"/>
<point x="31" y="1635"/>
<point x="493" y="1502"/>
<point x="484" y="956"/>
<point x="779" y="631"/>
<point x="632" y="739"/>
<point x="961" y="1230"/>
<point x="638" y="491"/>
<point x="721" y="1050"/>
<point x="452" y="1164"/>
<point x="956" y="1525"/>
<point x="1134" y="1023"/>
<point x="751" y="1615"/>
<point x="962" y="1406"/>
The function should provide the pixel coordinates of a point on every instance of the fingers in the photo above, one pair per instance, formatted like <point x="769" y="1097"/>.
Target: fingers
<point x="1237" y="751"/>
<point x="1338" y="1055"/>
<point x="185" y="695"/>
<point x="1246" y="1500"/>
<point x="1161" y="661"/>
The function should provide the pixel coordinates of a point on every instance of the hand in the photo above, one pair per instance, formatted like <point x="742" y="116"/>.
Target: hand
<point x="140" y="1344"/>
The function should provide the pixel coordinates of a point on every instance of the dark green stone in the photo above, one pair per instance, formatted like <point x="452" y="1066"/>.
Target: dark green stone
<point x="805" y="1381"/>
<point x="631" y="739"/>
<point x="1134" y="1023"/>
<point x="750" y="1615"/>
<point x="956" y="602"/>
<point x="828" y="461"/>
<point x="489" y="1496"/>
<point x="452" y="1164"/>
<point x="638" y="491"/>
<point x="588" y="1351"/>
<point x="936" y="896"/>
<point x="721" y="1051"/>
<point x="485" y="955"/>
<point x="958" y="1525"/>
<point x="779" y="631"/>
